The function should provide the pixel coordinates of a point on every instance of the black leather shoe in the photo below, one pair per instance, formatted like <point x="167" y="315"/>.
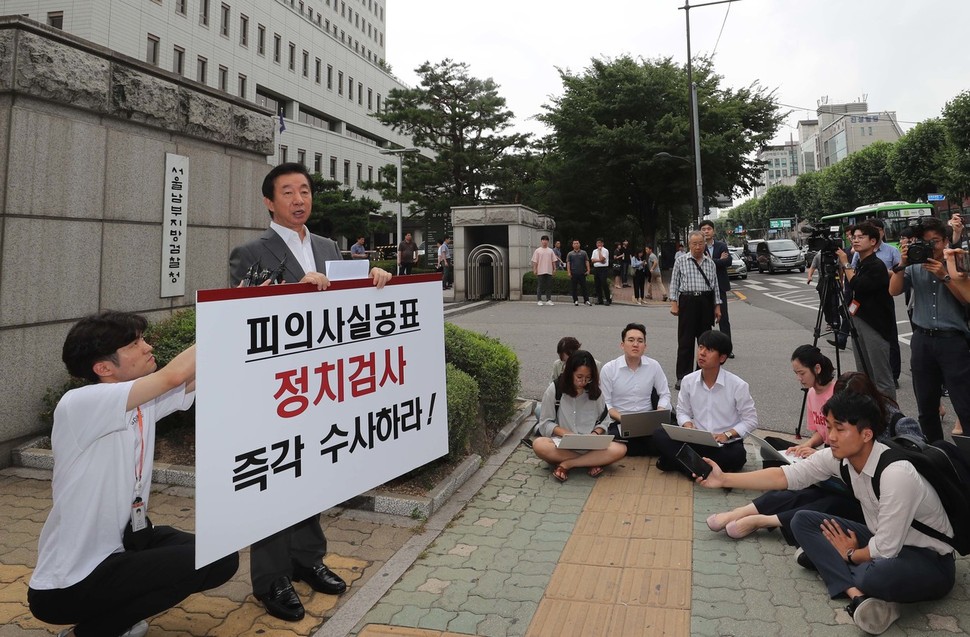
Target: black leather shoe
<point x="320" y="578"/>
<point x="731" y="355"/>
<point x="282" y="601"/>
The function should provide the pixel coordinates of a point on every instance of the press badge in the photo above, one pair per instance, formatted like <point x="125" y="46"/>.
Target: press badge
<point x="854" y="307"/>
<point x="138" y="515"/>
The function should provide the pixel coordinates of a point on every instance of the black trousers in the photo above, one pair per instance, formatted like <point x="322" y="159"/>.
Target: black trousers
<point x="731" y="457"/>
<point x="273" y="557"/>
<point x="724" y="325"/>
<point x="639" y="280"/>
<point x="131" y="586"/>
<point x="937" y="361"/>
<point x="575" y="282"/>
<point x="404" y="268"/>
<point x="601" y="283"/>
<point x="695" y="316"/>
<point x="785" y="504"/>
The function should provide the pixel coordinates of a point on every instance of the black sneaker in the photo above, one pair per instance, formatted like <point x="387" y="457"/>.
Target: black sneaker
<point x="803" y="560"/>
<point x="872" y="615"/>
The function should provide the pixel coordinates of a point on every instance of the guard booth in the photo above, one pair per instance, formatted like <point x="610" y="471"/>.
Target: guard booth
<point x="493" y="248"/>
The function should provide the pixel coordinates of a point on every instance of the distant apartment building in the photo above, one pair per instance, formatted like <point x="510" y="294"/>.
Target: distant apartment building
<point x="318" y="64"/>
<point x="780" y="166"/>
<point x="844" y="129"/>
<point x="808" y="146"/>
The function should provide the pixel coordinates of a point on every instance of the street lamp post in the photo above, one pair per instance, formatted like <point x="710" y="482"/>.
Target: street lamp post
<point x="400" y="152"/>
<point x="695" y="127"/>
<point x="665" y="155"/>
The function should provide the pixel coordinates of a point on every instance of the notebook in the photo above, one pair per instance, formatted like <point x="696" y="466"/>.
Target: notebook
<point x="583" y="442"/>
<point x="770" y="453"/>
<point x="694" y="436"/>
<point x="643" y="423"/>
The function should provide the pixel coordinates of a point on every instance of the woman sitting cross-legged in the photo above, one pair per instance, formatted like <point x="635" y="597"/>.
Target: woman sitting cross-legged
<point x="579" y="411"/>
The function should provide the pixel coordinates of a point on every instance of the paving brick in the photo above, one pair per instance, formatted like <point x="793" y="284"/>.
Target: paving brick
<point x="562" y="618"/>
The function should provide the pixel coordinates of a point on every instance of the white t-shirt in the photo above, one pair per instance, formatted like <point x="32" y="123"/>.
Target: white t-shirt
<point x="97" y="446"/>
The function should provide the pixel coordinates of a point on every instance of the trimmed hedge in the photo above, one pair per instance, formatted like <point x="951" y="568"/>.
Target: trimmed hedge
<point x="560" y="283"/>
<point x="492" y="364"/>
<point x="463" y="410"/>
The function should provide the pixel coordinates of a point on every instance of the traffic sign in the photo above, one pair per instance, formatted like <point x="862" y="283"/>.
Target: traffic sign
<point x="935" y="196"/>
<point x="780" y="223"/>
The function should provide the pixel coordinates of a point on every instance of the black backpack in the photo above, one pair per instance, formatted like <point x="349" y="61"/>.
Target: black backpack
<point x="946" y="469"/>
<point x="533" y="432"/>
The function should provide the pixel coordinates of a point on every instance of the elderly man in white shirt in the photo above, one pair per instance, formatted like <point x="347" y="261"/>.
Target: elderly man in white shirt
<point x="631" y="382"/>
<point x="880" y="563"/>
<point x="715" y="400"/>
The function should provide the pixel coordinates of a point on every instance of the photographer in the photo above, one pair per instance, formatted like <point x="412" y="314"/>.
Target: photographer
<point x="872" y="307"/>
<point x="940" y="352"/>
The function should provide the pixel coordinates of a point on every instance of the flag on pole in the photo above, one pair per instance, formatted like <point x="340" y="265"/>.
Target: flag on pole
<point x="282" y="122"/>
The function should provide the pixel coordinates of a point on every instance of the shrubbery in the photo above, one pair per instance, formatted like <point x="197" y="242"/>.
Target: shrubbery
<point x="492" y="364"/>
<point x="560" y="283"/>
<point x="463" y="410"/>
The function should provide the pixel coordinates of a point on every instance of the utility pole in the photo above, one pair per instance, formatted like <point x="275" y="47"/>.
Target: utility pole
<point x="400" y="152"/>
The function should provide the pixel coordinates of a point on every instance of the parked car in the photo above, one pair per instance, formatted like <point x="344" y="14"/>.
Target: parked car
<point x="749" y="254"/>
<point x="737" y="269"/>
<point x="779" y="254"/>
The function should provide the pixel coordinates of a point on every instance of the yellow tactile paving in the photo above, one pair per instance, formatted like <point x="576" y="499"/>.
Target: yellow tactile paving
<point x="628" y="562"/>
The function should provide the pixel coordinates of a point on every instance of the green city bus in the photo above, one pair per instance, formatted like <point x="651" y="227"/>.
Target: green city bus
<point x="896" y="215"/>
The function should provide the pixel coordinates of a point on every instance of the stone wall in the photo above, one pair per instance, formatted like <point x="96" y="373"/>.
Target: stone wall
<point x="83" y="137"/>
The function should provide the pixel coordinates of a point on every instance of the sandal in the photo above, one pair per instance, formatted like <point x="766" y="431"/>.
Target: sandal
<point x="560" y="473"/>
<point x="595" y="471"/>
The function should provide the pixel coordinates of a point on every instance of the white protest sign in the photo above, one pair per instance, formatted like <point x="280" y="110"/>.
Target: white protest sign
<point x="306" y="399"/>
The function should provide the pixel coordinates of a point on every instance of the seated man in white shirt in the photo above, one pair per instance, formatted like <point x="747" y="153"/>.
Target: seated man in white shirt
<point x="715" y="400"/>
<point x="880" y="563"/>
<point x="634" y="383"/>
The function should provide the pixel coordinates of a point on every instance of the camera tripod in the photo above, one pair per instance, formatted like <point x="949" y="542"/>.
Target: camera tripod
<point x="832" y="302"/>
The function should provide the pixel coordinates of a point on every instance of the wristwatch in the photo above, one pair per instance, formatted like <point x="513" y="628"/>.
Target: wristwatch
<point x="848" y="556"/>
<point x="947" y="278"/>
<point x="899" y="267"/>
<point x="729" y="434"/>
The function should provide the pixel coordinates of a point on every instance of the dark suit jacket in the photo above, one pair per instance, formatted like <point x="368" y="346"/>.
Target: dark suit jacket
<point x="269" y="250"/>
<point x="723" y="280"/>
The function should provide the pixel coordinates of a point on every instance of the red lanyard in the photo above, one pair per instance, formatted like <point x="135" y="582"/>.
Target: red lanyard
<point x="141" y="454"/>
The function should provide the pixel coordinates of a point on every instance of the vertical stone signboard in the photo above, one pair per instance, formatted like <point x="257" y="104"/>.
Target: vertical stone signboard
<point x="175" y="225"/>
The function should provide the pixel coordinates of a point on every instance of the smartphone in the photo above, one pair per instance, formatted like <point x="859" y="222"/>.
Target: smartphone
<point x="963" y="261"/>
<point x="693" y="462"/>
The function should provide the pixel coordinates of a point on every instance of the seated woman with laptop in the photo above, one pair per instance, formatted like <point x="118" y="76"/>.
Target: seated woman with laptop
<point x="572" y="409"/>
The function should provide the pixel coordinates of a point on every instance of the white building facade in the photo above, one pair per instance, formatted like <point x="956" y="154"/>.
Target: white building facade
<point x="848" y="128"/>
<point x="780" y="166"/>
<point x="319" y="63"/>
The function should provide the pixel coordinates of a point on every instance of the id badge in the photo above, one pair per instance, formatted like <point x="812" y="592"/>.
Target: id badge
<point x="854" y="307"/>
<point x="138" y="515"/>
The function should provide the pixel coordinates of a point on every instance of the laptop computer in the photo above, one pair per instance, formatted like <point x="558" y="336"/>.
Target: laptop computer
<point x="643" y="423"/>
<point x="770" y="453"/>
<point x="694" y="436"/>
<point x="963" y="444"/>
<point x="584" y="442"/>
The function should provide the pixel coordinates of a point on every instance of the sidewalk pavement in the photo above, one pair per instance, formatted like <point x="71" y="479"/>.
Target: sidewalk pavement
<point x="514" y="553"/>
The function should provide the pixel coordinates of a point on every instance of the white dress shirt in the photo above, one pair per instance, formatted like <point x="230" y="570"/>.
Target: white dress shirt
<point x="601" y="253"/>
<point x="903" y="497"/>
<point x="301" y="248"/>
<point x="726" y="405"/>
<point x="628" y="390"/>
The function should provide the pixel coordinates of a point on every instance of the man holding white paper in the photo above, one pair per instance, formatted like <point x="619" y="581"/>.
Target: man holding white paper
<point x="296" y="552"/>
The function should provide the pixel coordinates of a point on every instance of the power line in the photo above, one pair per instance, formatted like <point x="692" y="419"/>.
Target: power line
<point x="716" y="42"/>
<point x="803" y="108"/>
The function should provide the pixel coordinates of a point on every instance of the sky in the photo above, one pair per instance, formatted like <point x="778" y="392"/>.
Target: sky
<point x="900" y="55"/>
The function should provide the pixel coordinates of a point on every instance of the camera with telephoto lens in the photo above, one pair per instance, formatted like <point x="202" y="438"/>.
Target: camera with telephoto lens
<point x="918" y="251"/>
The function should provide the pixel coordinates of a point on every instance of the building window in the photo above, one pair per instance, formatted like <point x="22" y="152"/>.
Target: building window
<point x="151" y="56"/>
<point x="260" y="39"/>
<point x="329" y="77"/>
<point x="204" y="12"/>
<point x="317" y="163"/>
<point x="201" y="69"/>
<point x="283" y="151"/>
<point x="224" y="20"/>
<point x="243" y="30"/>
<point x="378" y="102"/>
<point x="223" y="78"/>
<point x="370" y="99"/>
<point x="318" y="65"/>
<point x="301" y="157"/>
<point x="370" y="173"/>
<point x="360" y="93"/>
<point x="180" y="6"/>
<point x="178" y="60"/>
<point x="340" y="82"/>
<point x="277" y="47"/>
<point x="350" y="89"/>
<point x="360" y="173"/>
<point x="292" y="58"/>
<point x="333" y="167"/>
<point x="306" y="63"/>
<point x="346" y="172"/>
<point x="55" y="19"/>
<point x="242" y="85"/>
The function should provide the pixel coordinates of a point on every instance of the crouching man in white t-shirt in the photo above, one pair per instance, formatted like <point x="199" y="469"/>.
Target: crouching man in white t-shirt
<point x="101" y="565"/>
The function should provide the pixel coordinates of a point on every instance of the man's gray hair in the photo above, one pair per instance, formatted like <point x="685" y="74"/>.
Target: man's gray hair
<point x="695" y="233"/>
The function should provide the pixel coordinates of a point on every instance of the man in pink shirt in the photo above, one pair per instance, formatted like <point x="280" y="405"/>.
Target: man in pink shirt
<point x="543" y="266"/>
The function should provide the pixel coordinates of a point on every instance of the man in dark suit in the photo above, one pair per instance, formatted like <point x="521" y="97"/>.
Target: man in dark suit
<point x="296" y="552"/>
<point x="718" y="251"/>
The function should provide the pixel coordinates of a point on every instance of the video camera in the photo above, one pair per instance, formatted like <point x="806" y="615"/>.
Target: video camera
<point x="824" y="240"/>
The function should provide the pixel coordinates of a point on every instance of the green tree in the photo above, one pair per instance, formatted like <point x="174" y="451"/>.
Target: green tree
<point x="336" y="211"/>
<point x="956" y="117"/>
<point x="463" y="121"/>
<point x="780" y="203"/>
<point x="808" y="194"/>
<point x="917" y="162"/>
<point x="613" y="119"/>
